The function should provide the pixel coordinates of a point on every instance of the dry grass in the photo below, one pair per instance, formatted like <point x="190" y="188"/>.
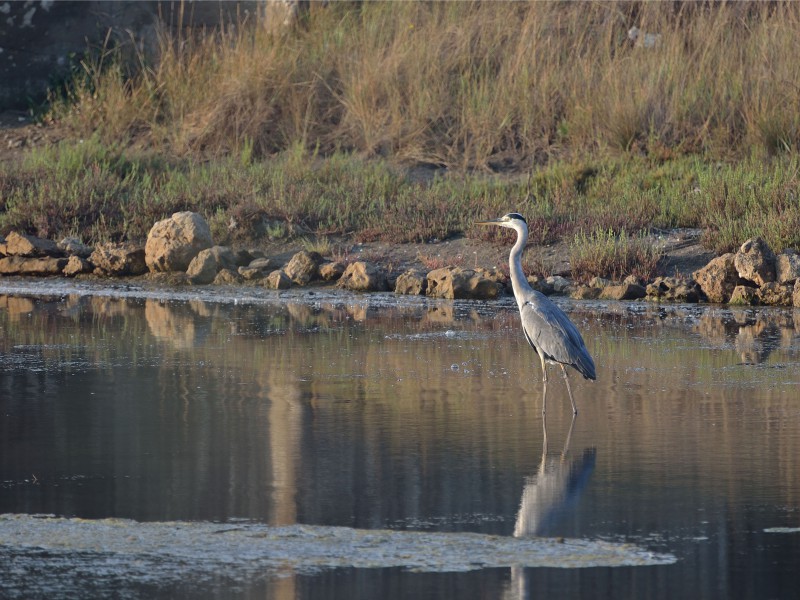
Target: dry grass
<point x="613" y="255"/>
<point x="484" y="85"/>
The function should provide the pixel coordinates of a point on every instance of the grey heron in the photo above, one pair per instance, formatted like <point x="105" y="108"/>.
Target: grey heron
<point x="547" y="329"/>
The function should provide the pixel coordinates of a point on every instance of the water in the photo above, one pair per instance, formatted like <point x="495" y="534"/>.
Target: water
<point x="339" y="446"/>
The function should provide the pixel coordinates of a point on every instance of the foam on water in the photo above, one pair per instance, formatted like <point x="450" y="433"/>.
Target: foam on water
<point x="60" y="552"/>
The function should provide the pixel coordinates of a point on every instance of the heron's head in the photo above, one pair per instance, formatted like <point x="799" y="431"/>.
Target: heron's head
<point x="511" y="220"/>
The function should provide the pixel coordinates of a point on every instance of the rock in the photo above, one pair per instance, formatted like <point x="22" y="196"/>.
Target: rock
<point x="119" y="259"/>
<point x="796" y="294"/>
<point x="303" y="267"/>
<point x="74" y="247"/>
<point x="251" y="273"/>
<point x="633" y="280"/>
<point x="76" y="265"/>
<point x="755" y="262"/>
<point x="174" y="242"/>
<point x="227" y="277"/>
<point x="774" y="294"/>
<point x="718" y="278"/>
<point x="560" y="284"/>
<point x="331" y="271"/>
<point x="22" y="265"/>
<point x="787" y="266"/>
<point x="243" y="258"/>
<point x="743" y="295"/>
<point x="277" y="280"/>
<point x="262" y="263"/>
<point x="599" y="282"/>
<point x="458" y="283"/>
<point x="539" y="284"/>
<point x="203" y="268"/>
<point x="673" y="289"/>
<point x="225" y="257"/>
<point x="256" y="253"/>
<point x="361" y="276"/>
<point x="585" y="292"/>
<point x="413" y="283"/>
<point x="20" y="244"/>
<point x="625" y="291"/>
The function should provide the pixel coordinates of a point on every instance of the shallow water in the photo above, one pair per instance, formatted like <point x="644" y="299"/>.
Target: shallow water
<point x="324" y="445"/>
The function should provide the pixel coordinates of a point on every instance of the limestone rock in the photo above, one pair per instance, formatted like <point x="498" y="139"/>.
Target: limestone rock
<point x="277" y="280"/>
<point x="743" y="295"/>
<point x="774" y="294"/>
<point x="560" y="284"/>
<point x="203" y="268"/>
<point x="261" y="263"/>
<point x="755" y="262"/>
<point x="225" y="257"/>
<point x="20" y="244"/>
<point x="303" y="267"/>
<point x="120" y="259"/>
<point x="251" y="273"/>
<point x="227" y="277"/>
<point x="76" y="265"/>
<point x="599" y="282"/>
<point x="413" y="282"/>
<point x="539" y="284"/>
<point x="331" y="271"/>
<point x="673" y="289"/>
<point x="586" y="292"/>
<point x="634" y="280"/>
<point x="796" y="294"/>
<point x="625" y="291"/>
<point x="361" y="276"/>
<point x="787" y="266"/>
<point x="174" y="242"/>
<point x="457" y="283"/>
<point x="74" y="247"/>
<point x="22" y="265"/>
<point x="718" y="278"/>
<point x="243" y="258"/>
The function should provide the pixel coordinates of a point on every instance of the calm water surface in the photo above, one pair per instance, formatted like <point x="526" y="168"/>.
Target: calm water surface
<point x="379" y="414"/>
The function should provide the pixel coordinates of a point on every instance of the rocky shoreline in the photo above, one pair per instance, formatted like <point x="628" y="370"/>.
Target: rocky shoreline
<point x="180" y="251"/>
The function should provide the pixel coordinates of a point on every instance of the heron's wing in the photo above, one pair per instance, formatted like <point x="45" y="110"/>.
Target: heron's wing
<point x="550" y="331"/>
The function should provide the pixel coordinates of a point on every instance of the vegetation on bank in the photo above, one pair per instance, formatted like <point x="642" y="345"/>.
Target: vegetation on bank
<point x="543" y="108"/>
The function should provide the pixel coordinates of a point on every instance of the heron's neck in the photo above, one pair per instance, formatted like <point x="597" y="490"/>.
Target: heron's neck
<point x="518" y="280"/>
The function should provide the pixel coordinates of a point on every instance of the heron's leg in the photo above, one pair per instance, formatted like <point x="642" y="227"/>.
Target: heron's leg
<point x="544" y="404"/>
<point x="544" y="367"/>
<point x="544" y="424"/>
<point x="569" y="390"/>
<point x="569" y="437"/>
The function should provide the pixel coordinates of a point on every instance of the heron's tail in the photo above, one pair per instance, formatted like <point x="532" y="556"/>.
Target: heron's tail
<point x="585" y="365"/>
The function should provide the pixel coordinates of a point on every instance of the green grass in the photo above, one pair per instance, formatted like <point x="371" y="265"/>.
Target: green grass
<point x="100" y="192"/>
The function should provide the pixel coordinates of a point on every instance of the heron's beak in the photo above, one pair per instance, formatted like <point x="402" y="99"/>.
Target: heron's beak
<point x="492" y="222"/>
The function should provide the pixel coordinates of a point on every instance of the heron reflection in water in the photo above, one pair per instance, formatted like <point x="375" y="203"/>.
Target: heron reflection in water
<point x="550" y="495"/>
<point x="553" y="492"/>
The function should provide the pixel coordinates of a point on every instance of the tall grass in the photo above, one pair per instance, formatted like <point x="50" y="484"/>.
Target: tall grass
<point x="484" y="85"/>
